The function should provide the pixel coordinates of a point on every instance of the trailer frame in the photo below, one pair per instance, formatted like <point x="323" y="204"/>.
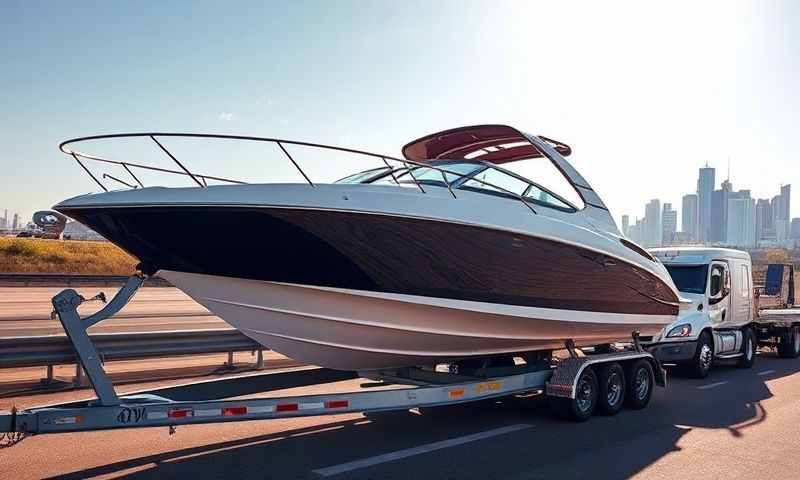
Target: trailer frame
<point x="404" y="388"/>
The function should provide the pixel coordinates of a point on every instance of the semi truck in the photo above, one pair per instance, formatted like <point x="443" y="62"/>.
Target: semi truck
<point x="724" y="316"/>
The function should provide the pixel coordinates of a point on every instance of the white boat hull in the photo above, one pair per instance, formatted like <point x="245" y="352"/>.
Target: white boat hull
<point x="363" y="330"/>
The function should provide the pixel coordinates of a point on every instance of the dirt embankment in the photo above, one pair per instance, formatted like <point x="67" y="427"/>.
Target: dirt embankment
<point x="34" y="255"/>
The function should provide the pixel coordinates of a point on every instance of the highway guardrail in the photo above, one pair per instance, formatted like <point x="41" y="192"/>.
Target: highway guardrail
<point x="52" y="350"/>
<point x="71" y="280"/>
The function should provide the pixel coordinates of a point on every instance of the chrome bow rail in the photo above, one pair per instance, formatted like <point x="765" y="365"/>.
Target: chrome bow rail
<point x="202" y="180"/>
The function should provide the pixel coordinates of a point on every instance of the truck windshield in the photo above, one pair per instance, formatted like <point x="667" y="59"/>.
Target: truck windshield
<point x="689" y="278"/>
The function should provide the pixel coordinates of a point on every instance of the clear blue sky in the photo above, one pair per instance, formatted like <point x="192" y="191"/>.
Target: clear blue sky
<point x="644" y="94"/>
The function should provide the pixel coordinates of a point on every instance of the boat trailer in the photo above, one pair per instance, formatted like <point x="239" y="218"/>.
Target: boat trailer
<point x="568" y="384"/>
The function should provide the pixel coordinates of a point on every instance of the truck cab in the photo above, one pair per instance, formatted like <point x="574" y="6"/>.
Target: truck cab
<point x="716" y="320"/>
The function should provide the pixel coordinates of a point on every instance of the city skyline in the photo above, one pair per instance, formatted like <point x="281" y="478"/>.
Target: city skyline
<point x="721" y="216"/>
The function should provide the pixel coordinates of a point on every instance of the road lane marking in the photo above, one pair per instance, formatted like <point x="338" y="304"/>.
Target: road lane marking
<point x="409" y="452"/>
<point x="765" y="372"/>
<point x="711" y="385"/>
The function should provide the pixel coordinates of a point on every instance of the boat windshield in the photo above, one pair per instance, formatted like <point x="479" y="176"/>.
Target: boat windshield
<point x="475" y="176"/>
<point x="365" y="176"/>
<point x="689" y="278"/>
<point x="431" y="175"/>
<point x="425" y="175"/>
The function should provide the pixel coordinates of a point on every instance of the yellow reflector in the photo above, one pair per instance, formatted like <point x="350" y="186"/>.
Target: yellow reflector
<point x="457" y="393"/>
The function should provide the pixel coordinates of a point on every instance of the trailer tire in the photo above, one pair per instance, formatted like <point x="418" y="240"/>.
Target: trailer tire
<point x="611" y="389"/>
<point x="789" y="343"/>
<point x="749" y="348"/>
<point x="580" y="408"/>
<point x="703" y="359"/>
<point x="641" y="382"/>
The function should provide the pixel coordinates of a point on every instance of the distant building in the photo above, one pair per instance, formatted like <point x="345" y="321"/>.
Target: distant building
<point x="15" y="222"/>
<point x="681" y="238"/>
<point x="741" y="227"/>
<point x="635" y="232"/>
<point x="795" y="229"/>
<point x="669" y="224"/>
<point x="781" y="214"/>
<point x="786" y="204"/>
<point x="719" y="213"/>
<point x="626" y="225"/>
<point x="765" y="223"/>
<point x="689" y="218"/>
<point x="705" y="189"/>
<point x="652" y="224"/>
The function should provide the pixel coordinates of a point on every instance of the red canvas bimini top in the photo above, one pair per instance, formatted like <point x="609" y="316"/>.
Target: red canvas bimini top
<point x="490" y="143"/>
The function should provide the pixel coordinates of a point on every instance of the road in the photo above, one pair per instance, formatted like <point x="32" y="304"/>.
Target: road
<point x="734" y="424"/>
<point x="26" y="311"/>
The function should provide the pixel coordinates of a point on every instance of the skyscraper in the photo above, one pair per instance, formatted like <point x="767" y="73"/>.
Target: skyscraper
<point x="741" y="227"/>
<point x="781" y="213"/>
<point x="795" y="230"/>
<point x="626" y="225"/>
<point x="765" y="226"/>
<point x="705" y="188"/>
<point x="669" y="224"/>
<point x="719" y="213"/>
<point x="635" y="231"/>
<point x="652" y="224"/>
<point x="689" y="217"/>
<point x="786" y="195"/>
<point x="15" y="222"/>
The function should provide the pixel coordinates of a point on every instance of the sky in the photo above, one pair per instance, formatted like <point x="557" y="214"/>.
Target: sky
<point x="644" y="93"/>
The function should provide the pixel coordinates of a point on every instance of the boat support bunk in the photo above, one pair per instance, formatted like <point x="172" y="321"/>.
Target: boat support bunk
<point x="577" y="386"/>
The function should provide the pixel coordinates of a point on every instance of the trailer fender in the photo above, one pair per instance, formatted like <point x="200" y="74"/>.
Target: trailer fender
<point x="564" y="381"/>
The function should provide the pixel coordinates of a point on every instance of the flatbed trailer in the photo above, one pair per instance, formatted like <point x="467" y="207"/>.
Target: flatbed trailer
<point x="577" y="386"/>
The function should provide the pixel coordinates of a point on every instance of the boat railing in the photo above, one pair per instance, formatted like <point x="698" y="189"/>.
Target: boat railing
<point x="202" y="179"/>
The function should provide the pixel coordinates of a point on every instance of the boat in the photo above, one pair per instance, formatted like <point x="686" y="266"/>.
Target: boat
<point x="445" y="254"/>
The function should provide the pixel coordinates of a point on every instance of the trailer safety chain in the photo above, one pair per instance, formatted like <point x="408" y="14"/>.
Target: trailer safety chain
<point x="8" y="440"/>
<point x="11" y="438"/>
<point x="100" y="297"/>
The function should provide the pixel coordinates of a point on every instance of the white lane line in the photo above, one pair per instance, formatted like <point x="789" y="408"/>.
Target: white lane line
<point x="765" y="372"/>
<point x="711" y="385"/>
<point x="409" y="452"/>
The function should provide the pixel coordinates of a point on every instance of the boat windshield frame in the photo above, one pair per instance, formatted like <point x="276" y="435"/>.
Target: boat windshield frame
<point x="201" y="180"/>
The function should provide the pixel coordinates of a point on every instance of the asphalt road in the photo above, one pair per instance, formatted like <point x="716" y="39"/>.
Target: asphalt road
<point x="26" y="311"/>
<point x="734" y="424"/>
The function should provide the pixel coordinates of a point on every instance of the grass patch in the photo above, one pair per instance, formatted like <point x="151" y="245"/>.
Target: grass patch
<point x="34" y="255"/>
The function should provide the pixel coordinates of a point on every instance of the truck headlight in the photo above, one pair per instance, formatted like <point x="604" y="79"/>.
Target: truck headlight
<point x="683" y="330"/>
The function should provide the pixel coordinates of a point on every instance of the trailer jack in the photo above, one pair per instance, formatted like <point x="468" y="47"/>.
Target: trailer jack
<point x="65" y="307"/>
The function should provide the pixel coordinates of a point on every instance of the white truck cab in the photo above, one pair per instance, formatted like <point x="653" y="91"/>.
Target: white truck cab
<point x="719" y="321"/>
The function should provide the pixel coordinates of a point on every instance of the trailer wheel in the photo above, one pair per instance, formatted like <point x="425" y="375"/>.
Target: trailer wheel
<point x="640" y="384"/>
<point x="749" y="348"/>
<point x="583" y="405"/>
<point x="703" y="357"/>
<point x="789" y="343"/>
<point x="611" y="389"/>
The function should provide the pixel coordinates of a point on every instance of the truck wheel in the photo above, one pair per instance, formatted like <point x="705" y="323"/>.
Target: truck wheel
<point x="789" y="343"/>
<point x="611" y="389"/>
<point x="703" y="358"/>
<point x="749" y="348"/>
<point x="640" y="384"/>
<point x="583" y="405"/>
